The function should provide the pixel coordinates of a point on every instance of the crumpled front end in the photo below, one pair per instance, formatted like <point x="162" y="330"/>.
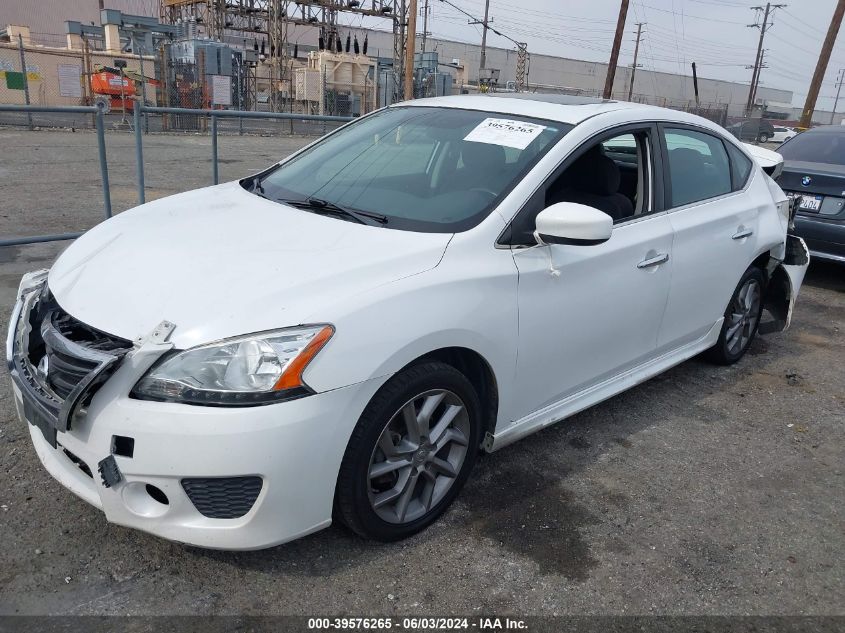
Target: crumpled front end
<point x="227" y="478"/>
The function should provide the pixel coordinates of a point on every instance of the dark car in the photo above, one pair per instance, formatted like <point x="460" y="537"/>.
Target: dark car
<point x="752" y="130"/>
<point x="814" y="173"/>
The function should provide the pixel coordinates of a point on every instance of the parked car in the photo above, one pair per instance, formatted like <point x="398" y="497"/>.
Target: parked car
<point x="338" y="336"/>
<point x="814" y="174"/>
<point x="782" y="134"/>
<point x="757" y="130"/>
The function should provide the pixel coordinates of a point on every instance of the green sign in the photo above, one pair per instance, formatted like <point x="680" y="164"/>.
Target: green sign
<point x="14" y="81"/>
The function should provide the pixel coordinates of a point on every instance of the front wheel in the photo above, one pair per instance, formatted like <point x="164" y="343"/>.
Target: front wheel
<point x="410" y="453"/>
<point x="764" y="138"/>
<point x="742" y="317"/>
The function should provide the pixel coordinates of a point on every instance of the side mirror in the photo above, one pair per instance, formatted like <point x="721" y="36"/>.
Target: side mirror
<point x="573" y="224"/>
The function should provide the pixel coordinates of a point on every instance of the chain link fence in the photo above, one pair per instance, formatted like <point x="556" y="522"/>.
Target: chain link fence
<point x="43" y="70"/>
<point x="48" y="74"/>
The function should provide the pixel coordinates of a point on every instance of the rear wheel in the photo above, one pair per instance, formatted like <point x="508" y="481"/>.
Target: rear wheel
<point x="742" y="317"/>
<point x="410" y="453"/>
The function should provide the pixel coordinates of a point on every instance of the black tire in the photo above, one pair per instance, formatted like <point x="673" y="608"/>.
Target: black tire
<point x="352" y="504"/>
<point x="764" y="138"/>
<point x="723" y="353"/>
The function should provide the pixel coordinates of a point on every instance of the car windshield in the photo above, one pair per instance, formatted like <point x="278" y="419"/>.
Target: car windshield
<point x="416" y="168"/>
<point x="815" y="147"/>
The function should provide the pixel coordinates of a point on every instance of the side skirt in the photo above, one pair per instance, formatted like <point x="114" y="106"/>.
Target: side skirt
<point x="599" y="392"/>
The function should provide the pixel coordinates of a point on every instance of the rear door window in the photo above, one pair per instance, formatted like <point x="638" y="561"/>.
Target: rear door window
<point x="698" y="165"/>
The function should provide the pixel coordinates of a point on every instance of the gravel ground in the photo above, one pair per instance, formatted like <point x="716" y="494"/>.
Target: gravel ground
<point x="706" y="490"/>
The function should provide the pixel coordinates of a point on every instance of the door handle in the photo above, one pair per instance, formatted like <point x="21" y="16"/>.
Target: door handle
<point x="661" y="258"/>
<point x="742" y="234"/>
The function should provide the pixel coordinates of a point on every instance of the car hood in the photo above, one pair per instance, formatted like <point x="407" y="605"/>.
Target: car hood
<point x="220" y="262"/>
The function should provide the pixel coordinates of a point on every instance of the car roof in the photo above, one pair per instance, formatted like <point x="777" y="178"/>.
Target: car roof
<point x="563" y="108"/>
<point x="827" y="129"/>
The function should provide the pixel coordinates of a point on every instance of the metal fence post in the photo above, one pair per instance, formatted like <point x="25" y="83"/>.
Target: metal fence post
<point x="143" y="88"/>
<point x="214" y="148"/>
<point x="139" y="151"/>
<point x="25" y="79"/>
<point x="104" y="169"/>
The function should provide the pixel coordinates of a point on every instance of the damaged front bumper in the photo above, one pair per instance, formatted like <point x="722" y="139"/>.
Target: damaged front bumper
<point x="786" y="274"/>
<point x="225" y="478"/>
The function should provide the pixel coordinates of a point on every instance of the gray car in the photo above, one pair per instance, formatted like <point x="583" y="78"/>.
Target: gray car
<point x="814" y="173"/>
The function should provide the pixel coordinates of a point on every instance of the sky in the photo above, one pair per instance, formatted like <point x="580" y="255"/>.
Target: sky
<point x="713" y="33"/>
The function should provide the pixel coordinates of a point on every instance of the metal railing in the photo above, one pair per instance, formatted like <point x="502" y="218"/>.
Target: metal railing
<point x="98" y="113"/>
<point x="213" y="115"/>
<point x="139" y="111"/>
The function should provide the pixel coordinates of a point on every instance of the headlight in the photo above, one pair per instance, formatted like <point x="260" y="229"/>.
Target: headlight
<point x="248" y="370"/>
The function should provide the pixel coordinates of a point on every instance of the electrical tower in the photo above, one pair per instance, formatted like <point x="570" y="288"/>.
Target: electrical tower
<point x="521" y="62"/>
<point x="233" y="20"/>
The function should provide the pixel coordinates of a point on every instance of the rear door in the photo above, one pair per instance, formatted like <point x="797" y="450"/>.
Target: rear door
<point x="714" y="224"/>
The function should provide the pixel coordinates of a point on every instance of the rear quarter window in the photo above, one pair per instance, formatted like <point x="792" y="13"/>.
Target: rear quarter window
<point x="740" y="167"/>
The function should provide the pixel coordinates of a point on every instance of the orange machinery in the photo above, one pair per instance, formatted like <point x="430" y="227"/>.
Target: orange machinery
<point x="107" y="81"/>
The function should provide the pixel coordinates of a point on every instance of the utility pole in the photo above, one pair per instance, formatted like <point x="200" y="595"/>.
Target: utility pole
<point x="636" y="54"/>
<point x="425" y="24"/>
<point x="821" y="66"/>
<point x="695" y="85"/>
<point x="25" y="79"/>
<point x="410" y="47"/>
<point x="485" y="24"/>
<point x="838" y="88"/>
<point x="760" y="67"/>
<point x="758" y="60"/>
<point x="614" y="53"/>
<point x="521" y="47"/>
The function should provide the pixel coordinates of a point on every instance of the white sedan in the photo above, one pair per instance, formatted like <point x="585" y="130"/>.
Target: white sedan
<point x="782" y="134"/>
<point x="338" y="336"/>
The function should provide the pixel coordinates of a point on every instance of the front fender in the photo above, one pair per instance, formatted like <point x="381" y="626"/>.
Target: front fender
<point x="784" y="284"/>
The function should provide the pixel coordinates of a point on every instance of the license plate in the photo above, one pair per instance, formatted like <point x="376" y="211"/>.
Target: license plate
<point x="810" y="203"/>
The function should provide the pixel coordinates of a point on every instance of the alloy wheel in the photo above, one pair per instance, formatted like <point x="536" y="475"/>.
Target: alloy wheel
<point x="418" y="456"/>
<point x="743" y="317"/>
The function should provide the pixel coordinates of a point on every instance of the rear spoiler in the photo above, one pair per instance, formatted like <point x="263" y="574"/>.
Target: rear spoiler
<point x="771" y="162"/>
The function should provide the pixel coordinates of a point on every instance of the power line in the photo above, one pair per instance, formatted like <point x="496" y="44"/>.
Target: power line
<point x="689" y="15"/>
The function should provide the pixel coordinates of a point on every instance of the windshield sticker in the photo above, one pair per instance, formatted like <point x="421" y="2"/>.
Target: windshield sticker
<point x="516" y="134"/>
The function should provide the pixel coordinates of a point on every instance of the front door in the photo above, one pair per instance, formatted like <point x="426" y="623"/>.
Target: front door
<point x="597" y="317"/>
